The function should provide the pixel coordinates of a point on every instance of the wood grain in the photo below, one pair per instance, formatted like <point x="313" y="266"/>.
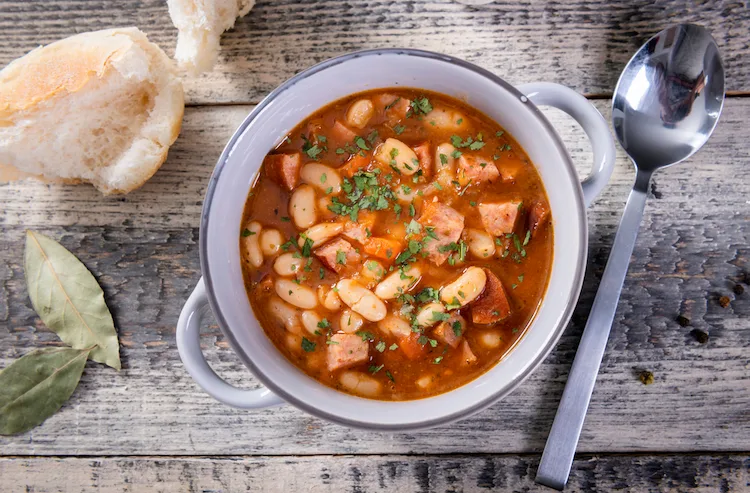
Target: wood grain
<point x="693" y="246"/>
<point x="363" y="474"/>
<point x="580" y="43"/>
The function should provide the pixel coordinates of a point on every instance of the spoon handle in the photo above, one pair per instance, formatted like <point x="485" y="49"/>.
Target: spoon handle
<point x="557" y="458"/>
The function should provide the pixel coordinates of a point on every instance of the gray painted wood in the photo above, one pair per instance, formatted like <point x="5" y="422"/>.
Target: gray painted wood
<point x="364" y="474"/>
<point x="580" y="43"/>
<point x="693" y="246"/>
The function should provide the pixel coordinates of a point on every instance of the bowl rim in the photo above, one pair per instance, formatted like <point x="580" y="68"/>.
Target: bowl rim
<point x="491" y="399"/>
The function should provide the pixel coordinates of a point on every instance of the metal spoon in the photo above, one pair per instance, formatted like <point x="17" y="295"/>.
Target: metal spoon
<point x="666" y="105"/>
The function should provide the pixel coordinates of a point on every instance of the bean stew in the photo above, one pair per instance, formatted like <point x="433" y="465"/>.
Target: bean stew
<point x="396" y="244"/>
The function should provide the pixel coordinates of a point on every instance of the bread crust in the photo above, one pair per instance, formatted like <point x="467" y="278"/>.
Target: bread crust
<point x="56" y="77"/>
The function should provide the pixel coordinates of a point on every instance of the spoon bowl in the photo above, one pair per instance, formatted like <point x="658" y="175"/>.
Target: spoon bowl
<point x="669" y="97"/>
<point x="665" y="106"/>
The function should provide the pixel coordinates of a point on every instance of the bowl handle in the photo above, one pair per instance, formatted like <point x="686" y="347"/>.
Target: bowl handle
<point x="592" y="122"/>
<point x="189" y="346"/>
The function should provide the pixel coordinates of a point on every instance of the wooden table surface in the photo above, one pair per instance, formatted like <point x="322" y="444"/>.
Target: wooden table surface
<point x="150" y="428"/>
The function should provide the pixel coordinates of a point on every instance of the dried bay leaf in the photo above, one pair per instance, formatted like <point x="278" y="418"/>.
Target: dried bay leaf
<point x="36" y="385"/>
<point x="69" y="300"/>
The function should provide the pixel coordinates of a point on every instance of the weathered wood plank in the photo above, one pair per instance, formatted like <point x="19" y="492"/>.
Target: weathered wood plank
<point x="581" y="43"/>
<point x="670" y="473"/>
<point x="693" y="246"/>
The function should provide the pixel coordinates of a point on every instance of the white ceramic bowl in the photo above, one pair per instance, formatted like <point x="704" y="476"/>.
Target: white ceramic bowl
<point x="222" y="285"/>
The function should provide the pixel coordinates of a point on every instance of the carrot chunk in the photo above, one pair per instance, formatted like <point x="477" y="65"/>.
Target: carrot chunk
<point x="383" y="248"/>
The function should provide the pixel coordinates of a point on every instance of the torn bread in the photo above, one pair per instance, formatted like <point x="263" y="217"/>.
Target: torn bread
<point x="200" y="24"/>
<point x="100" y="107"/>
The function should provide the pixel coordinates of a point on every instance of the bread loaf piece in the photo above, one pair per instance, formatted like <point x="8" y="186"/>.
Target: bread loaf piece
<point x="200" y="24"/>
<point x="100" y="107"/>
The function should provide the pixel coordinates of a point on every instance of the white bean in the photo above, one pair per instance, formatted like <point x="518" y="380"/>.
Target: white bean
<point x="481" y="244"/>
<point x="320" y="233"/>
<point x="323" y="211"/>
<point x="405" y="193"/>
<point x="445" y="164"/>
<point x="328" y="298"/>
<point x="359" y="383"/>
<point x="294" y="342"/>
<point x="396" y="326"/>
<point x="445" y="119"/>
<point x="444" y="157"/>
<point x="361" y="300"/>
<point x="310" y="321"/>
<point x="359" y="113"/>
<point x="302" y="206"/>
<point x="270" y="241"/>
<point x="372" y="269"/>
<point x="287" y="265"/>
<point x="295" y="294"/>
<point x="424" y="381"/>
<point x="397" y="283"/>
<point x="466" y="288"/>
<point x="396" y="153"/>
<point x="252" y="244"/>
<point x="322" y="177"/>
<point x="490" y="339"/>
<point x="350" y="321"/>
<point x="426" y="316"/>
<point x="285" y="314"/>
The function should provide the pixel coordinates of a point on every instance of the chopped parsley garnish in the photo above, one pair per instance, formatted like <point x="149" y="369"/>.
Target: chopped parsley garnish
<point x="374" y="369"/>
<point x="307" y="247"/>
<point x="285" y="219"/>
<point x="361" y="143"/>
<point x="527" y="238"/>
<point x="399" y="129"/>
<point x="443" y="158"/>
<point x="324" y="324"/>
<point x="392" y="104"/>
<point x="456" y="326"/>
<point x="308" y="345"/>
<point x="428" y="294"/>
<point x="246" y="232"/>
<point x="380" y="346"/>
<point x="372" y="137"/>
<point x="362" y="191"/>
<point x="438" y="360"/>
<point x="340" y="257"/>
<point x="312" y="150"/>
<point x="413" y="228"/>
<point x="420" y="106"/>
<point x="440" y="317"/>
<point x="390" y="377"/>
<point x="393" y="347"/>
<point x="366" y="336"/>
<point x="475" y="146"/>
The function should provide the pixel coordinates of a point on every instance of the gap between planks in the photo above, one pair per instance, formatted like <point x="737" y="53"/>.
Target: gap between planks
<point x="464" y="455"/>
